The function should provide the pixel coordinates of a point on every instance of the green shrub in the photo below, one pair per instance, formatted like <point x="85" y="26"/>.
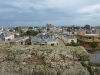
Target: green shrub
<point x="32" y="53"/>
<point x="83" y="64"/>
<point x="88" y="67"/>
<point x="68" y="44"/>
<point x="72" y="44"/>
<point x="58" y="73"/>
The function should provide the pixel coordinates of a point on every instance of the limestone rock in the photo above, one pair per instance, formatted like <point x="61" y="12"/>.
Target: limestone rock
<point x="42" y="60"/>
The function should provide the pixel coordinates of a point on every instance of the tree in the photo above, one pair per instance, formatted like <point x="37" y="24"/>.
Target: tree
<point x="11" y="30"/>
<point x="22" y="33"/>
<point x="31" y="32"/>
<point x="72" y="44"/>
<point x="30" y="27"/>
<point x="93" y="44"/>
<point x="48" y="29"/>
<point x="77" y="27"/>
<point x="68" y="30"/>
<point x="87" y="26"/>
<point x="16" y="29"/>
<point x="39" y="30"/>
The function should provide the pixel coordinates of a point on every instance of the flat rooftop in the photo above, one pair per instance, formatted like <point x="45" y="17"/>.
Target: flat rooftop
<point x="91" y="34"/>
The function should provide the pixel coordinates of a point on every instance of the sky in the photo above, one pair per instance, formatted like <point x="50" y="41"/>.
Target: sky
<point x="56" y="12"/>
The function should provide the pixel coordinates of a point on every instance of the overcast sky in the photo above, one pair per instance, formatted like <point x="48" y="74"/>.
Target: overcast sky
<point x="57" y="12"/>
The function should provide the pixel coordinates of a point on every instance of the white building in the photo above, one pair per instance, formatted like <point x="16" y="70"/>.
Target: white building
<point x="8" y="37"/>
<point x="17" y="41"/>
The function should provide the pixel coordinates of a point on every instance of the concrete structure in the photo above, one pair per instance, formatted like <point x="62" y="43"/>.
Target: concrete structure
<point x="23" y="28"/>
<point x="71" y="38"/>
<point x="45" y="39"/>
<point x="85" y="39"/>
<point x="17" y="41"/>
<point x="68" y="38"/>
<point x="7" y="36"/>
<point x="49" y="26"/>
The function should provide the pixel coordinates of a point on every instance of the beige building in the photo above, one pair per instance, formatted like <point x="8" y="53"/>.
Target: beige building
<point x="84" y="39"/>
<point x="23" y="28"/>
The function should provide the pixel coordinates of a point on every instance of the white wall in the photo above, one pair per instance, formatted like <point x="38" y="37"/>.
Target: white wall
<point x="70" y="40"/>
<point x="9" y="37"/>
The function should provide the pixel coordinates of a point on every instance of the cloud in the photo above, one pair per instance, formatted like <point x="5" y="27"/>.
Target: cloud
<point x="60" y="12"/>
<point x="90" y="9"/>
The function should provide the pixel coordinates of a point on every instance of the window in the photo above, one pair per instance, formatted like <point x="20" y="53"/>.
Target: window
<point x="42" y="44"/>
<point x="9" y="39"/>
<point x="98" y="37"/>
<point x="72" y="32"/>
<point x="21" y="43"/>
<point x="80" y="37"/>
<point x="52" y="44"/>
<point x="72" y="40"/>
<point x="89" y="37"/>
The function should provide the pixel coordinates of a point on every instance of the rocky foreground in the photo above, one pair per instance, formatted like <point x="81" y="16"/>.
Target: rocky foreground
<point x="42" y="60"/>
